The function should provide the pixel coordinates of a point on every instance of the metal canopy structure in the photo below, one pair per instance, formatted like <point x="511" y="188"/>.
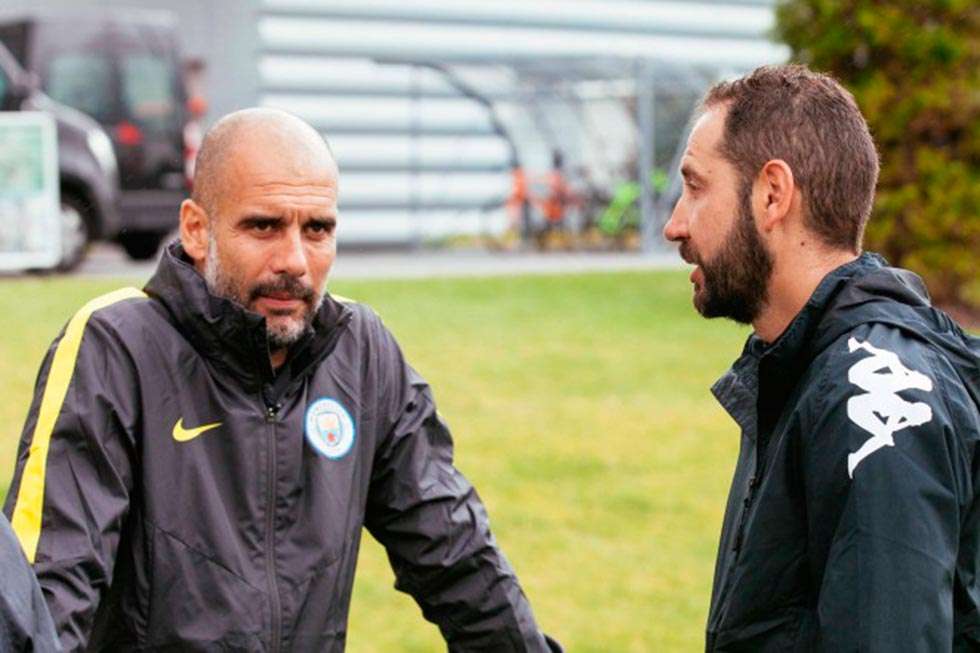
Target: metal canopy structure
<point x="430" y="105"/>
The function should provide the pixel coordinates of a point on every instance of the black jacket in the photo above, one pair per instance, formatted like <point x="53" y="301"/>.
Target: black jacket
<point x="175" y="494"/>
<point x="853" y="522"/>
<point x="25" y="624"/>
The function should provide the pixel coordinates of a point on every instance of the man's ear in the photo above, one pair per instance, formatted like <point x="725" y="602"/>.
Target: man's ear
<point x="194" y="228"/>
<point x="775" y="192"/>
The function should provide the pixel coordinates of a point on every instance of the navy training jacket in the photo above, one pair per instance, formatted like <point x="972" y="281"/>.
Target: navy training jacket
<point x="853" y="522"/>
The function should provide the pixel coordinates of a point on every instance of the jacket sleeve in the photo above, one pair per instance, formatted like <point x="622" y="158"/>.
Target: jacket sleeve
<point x="73" y="476"/>
<point x="25" y="624"/>
<point x="436" y="531"/>
<point x="888" y="481"/>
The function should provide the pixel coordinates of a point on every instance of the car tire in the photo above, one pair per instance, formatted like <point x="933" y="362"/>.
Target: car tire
<point x="141" y="245"/>
<point x="76" y="232"/>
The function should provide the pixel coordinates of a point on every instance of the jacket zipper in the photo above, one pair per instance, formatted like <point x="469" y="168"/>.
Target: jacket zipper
<point x="743" y="518"/>
<point x="270" y="533"/>
<point x="731" y="560"/>
<point x="272" y="407"/>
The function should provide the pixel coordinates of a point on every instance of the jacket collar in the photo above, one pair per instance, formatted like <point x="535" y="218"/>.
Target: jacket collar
<point x="793" y="342"/>
<point x="230" y="335"/>
<point x="747" y="389"/>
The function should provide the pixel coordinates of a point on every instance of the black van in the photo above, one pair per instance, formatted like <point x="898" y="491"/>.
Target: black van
<point x="87" y="168"/>
<point x="122" y="68"/>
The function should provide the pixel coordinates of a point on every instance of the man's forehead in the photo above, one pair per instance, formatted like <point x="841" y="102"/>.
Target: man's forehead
<point x="263" y="180"/>
<point x="702" y="145"/>
<point x="255" y="171"/>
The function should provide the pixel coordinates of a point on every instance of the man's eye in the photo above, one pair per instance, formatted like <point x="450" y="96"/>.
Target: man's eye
<point x="320" y="228"/>
<point x="263" y="226"/>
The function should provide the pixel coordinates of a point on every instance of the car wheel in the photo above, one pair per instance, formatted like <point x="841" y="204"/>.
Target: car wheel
<point x="141" y="245"/>
<point x="76" y="235"/>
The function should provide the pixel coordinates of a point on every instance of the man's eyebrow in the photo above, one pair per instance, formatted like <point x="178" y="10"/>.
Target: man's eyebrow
<point x="253" y="219"/>
<point x="260" y="217"/>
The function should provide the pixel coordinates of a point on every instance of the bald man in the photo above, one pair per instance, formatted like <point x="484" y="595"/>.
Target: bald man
<point x="201" y="455"/>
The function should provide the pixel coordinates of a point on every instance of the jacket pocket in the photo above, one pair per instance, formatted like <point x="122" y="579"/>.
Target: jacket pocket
<point x="318" y="605"/>
<point x="196" y="602"/>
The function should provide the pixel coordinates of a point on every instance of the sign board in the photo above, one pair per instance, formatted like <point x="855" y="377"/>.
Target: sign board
<point x="30" y="224"/>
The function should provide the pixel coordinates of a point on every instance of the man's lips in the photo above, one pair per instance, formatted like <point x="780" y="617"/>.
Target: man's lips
<point x="281" y="296"/>
<point x="691" y="259"/>
<point x="280" y="301"/>
<point x="696" y="275"/>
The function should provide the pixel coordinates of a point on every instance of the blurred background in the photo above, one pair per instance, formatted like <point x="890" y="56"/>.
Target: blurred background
<point x="478" y="138"/>
<point x="499" y="124"/>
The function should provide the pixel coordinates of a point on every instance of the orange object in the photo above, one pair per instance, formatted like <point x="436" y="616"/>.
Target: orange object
<point x="518" y="194"/>
<point x="553" y="206"/>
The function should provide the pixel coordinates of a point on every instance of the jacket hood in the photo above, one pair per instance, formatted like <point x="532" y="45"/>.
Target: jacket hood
<point x="229" y="334"/>
<point x="887" y="295"/>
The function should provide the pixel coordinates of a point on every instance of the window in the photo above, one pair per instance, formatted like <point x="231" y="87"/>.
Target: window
<point x="148" y="91"/>
<point x="14" y="37"/>
<point x="82" y="81"/>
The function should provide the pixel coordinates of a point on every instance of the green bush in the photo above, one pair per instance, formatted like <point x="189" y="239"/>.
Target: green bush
<point x="914" y="68"/>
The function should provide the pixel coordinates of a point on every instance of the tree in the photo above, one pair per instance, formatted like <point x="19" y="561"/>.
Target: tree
<point x="914" y="69"/>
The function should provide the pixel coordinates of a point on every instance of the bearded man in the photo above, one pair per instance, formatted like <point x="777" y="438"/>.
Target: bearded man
<point x="201" y="456"/>
<point x="853" y="521"/>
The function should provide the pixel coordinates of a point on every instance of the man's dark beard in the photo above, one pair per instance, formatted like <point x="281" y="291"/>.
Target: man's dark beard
<point x="736" y="279"/>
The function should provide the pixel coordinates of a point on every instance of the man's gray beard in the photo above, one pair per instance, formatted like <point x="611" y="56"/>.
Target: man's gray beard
<point x="280" y="335"/>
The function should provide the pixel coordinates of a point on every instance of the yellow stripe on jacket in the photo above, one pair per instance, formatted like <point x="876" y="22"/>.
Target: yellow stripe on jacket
<point x="28" y="509"/>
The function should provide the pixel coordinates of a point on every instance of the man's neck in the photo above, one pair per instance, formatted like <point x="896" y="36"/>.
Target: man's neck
<point x="794" y="278"/>
<point x="277" y="357"/>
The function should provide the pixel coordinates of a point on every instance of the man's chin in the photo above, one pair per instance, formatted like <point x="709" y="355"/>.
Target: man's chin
<point x="701" y="300"/>
<point x="281" y="336"/>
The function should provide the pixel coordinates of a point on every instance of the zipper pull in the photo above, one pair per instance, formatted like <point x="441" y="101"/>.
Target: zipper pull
<point x="743" y="518"/>
<point x="271" y="412"/>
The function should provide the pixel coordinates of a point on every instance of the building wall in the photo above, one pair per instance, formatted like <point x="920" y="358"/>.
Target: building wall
<point x="423" y="158"/>
<point x="420" y="157"/>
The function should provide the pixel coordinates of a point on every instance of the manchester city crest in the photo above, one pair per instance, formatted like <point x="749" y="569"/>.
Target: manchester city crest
<point x="329" y="428"/>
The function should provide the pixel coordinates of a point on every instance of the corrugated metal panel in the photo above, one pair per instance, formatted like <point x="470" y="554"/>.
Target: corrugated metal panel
<point x="418" y="156"/>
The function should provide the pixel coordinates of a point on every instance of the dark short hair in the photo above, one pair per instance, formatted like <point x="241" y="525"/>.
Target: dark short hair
<point x="811" y="122"/>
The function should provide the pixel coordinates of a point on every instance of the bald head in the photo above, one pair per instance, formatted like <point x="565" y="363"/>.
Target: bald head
<point x="236" y="140"/>
<point x="261" y="226"/>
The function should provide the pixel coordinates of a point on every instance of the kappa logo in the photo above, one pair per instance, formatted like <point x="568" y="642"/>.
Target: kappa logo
<point x="881" y="411"/>
<point x="329" y="428"/>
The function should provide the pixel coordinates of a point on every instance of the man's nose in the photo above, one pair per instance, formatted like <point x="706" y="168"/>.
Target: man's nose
<point x="291" y="254"/>
<point x="676" y="227"/>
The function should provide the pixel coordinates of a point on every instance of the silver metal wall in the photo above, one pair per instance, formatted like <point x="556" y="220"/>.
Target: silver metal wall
<point x="420" y="158"/>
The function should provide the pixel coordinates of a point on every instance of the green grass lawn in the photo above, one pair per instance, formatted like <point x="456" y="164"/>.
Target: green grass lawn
<point x="581" y="412"/>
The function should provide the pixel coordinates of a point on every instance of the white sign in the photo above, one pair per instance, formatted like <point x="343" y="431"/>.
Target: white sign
<point x="30" y="225"/>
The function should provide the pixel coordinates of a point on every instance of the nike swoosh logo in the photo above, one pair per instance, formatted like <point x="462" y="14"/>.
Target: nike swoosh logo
<point x="183" y="435"/>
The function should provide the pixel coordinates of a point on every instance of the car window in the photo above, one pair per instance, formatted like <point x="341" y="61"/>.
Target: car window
<point x="14" y="37"/>
<point x="4" y="86"/>
<point x="148" y="91"/>
<point x="82" y="81"/>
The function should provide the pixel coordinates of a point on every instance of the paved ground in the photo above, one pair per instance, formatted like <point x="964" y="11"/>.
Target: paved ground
<point x="109" y="261"/>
